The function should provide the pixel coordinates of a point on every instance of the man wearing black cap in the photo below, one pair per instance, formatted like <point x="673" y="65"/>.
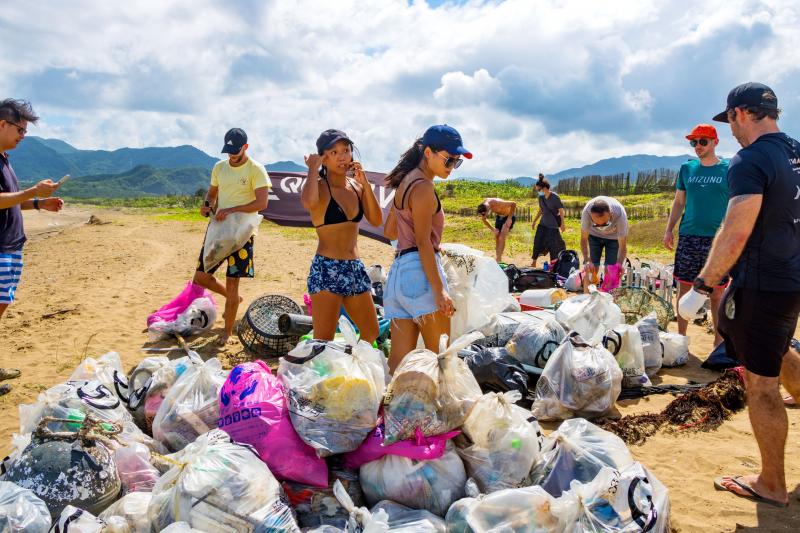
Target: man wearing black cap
<point x="760" y="243"/>
<point x="238" y="185"/>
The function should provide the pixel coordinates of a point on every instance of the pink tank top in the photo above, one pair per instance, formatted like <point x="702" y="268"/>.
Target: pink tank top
<point x="405" y="222"/>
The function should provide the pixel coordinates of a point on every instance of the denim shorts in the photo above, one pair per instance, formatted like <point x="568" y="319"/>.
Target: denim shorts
<point x="345" y="277"/>
<point x="596" y="246"/>
<point x="408" y="294"/>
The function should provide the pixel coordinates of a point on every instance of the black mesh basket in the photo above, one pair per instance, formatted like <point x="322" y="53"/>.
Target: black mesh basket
<point x="258" y="330"/>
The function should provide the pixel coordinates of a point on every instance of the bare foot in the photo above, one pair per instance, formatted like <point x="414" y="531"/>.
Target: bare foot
<point x="225" y="339"/>
<point x="789" y="401"/>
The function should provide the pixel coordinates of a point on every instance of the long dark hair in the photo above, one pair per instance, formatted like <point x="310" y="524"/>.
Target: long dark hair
<point x="408" y="162"/>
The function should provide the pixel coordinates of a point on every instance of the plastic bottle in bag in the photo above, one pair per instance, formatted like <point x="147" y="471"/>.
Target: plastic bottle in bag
<point x="131" y="509"/>
<point x="579" y="380"/>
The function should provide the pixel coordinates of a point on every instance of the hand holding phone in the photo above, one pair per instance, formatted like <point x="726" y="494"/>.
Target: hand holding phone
<point x="63" y="180"/>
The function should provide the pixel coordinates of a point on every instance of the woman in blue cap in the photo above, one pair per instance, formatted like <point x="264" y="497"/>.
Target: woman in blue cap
<point x="337" y="203"/>
<point x="415" y="298"/>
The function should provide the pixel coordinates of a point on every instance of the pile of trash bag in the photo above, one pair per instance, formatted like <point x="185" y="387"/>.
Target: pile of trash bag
<point x="430" y="392"/>
<point x="580" y="380"/>
<point x="334" y="391"/>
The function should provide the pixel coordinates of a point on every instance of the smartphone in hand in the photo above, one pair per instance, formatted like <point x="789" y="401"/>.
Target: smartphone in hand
<point x="63" y="180"/>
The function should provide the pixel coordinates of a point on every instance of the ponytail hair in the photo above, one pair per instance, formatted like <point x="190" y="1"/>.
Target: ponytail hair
<point x="408" y="162"/>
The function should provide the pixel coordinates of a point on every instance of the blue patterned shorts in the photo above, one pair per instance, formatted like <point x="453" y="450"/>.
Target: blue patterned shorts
<point x="345" y="277"/>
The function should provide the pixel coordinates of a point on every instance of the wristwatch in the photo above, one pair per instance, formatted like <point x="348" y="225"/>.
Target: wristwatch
<point x="36" y="203"/>
<point x="700" y="286"/>
<point x="206" y="203"/>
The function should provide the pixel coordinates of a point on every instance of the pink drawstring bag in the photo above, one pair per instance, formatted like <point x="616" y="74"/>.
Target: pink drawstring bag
<point x="612" y="278"/>
<point x="421" y="448"/>
<point x="169" y="312"/>
<point x="253" y="410"/>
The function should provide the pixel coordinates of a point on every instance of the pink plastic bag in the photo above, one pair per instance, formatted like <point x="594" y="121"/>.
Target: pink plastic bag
<point x="253" y="410"/>
<point x="612" y="278"/>
<point x="169" y="312"/>
<point x="421" y="448"/>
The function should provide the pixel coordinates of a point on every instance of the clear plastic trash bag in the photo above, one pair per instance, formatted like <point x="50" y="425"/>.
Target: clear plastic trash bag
<point x="219" y="485"/>
<point x="502" y="327"/>
<point x="434" y="393"/>
<point x="107" y="369"/>
<point x="181" y="527"/>
<point x="136" y="386"/>
<point x="577" y="450"/>
<point x="429" y="485"/>
<point x="191" y="406"/>
<point x="318" y="506"/>
<point x="404" y="519"/>
<point x="478" y="287"/>
<point x="675" y="348"/>
<point x="130" y="513"/>
<point x="199" y="316"/>
<point x="505" y="441"/>
<point x="521" y="510"/>
<point x="76" y="520"/>
<point x="147" y="401"/>
<point x="579" y="380"/>
<point x="631" y="499"/>
<point x="625" y="344"/>
<point x="226" y="236"/>
<point x="22" y="510"/>
<point x="533" y="343"/>
<point x="334" y="390"/>
<point x="135" y="468"/>
<point x="590" y="315"/>
<point x="651" y="343"/>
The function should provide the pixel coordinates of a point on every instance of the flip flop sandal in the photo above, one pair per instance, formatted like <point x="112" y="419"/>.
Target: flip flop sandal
<point x="751" y="494"/>
<point x="9" y="373"/>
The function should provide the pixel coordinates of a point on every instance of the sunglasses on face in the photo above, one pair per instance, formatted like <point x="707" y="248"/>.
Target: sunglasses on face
<point x="701" y="142"/>
<point x="20" y="129"/>
<point x="451" y="162"/>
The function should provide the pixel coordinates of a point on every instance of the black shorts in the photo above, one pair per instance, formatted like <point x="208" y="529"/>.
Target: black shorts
<point x="758" y="326"/>
<point x="500" y="221"/>
<point x="239" y="264"/>
<point x="596" y="247"/>
<point x="690" y="257"/>
<point x="547" y="241"/>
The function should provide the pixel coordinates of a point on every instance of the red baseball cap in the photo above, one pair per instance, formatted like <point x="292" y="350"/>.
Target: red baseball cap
<point x="703" y="130"/>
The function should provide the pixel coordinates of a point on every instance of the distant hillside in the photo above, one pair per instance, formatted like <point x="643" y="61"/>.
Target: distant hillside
<point x="142" y="180"/>
<point x="286" y="166"/>
<point x="617" y="165"/>
<point x="36" y="158"/>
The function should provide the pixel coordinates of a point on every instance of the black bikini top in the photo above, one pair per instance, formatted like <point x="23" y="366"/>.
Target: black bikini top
<point x="334" y="214"/>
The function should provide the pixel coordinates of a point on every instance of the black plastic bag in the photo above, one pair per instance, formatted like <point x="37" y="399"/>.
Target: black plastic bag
<point x="495" y="369"/>
<point x="719" y="360"/>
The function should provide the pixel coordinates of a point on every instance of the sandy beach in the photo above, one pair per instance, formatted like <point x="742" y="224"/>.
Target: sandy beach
<point x="87" y="289"/>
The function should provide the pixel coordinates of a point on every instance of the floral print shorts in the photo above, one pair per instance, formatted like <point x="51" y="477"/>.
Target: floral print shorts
<point x="345" y="277"/>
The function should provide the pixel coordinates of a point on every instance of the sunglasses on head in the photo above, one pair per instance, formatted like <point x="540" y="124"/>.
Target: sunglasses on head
<point x="451" y="161"/>
<point x="701" y="142"/>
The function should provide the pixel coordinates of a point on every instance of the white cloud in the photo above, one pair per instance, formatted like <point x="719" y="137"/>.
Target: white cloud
<point x="531" y="85"/>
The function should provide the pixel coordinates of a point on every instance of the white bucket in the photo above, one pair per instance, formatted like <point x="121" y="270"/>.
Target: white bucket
<point x="542" y="297"/>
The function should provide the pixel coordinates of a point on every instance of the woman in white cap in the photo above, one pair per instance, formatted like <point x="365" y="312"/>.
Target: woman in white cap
<point x="337" y="203"/>
<point x="415" y="298"/>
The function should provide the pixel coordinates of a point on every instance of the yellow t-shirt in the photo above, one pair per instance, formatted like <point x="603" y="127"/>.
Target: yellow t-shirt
<point x="237" y="185"/>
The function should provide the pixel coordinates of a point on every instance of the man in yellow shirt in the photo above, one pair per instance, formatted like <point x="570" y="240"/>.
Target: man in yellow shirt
<point x="241" y="185"/>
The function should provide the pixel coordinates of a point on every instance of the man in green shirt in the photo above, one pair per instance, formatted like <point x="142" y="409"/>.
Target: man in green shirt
<point x="701" y="199"/>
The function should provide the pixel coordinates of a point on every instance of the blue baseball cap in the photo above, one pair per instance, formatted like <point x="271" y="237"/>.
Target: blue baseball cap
<point x="328" y="138"/>
<point x="749" y="94"/>
<point x="447" y="138"/>
<point x="235" y="139"/>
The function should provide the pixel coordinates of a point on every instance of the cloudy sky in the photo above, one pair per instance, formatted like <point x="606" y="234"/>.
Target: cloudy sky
<point x="532" y="85"/>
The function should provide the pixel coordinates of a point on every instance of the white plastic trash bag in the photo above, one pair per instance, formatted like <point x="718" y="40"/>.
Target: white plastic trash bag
<point x="522" y="510"/>
<point x="22" y="510"/>
<point x="631" y="499"/>
<point x="107" y="369"/>
<point x="434" y="393"/>
<point x="577" y="450"/>
<point x="675" y="348"/>
<point x="334" y="391"/>
<point x="534" y="342"/>
<point x="478" y="286"/>
<point x="651" y="343"/>
<point x="146" y="400"/>
<point x="625" y="344"/>
<point x="591" y="315"/>
<point x="135" y="468"/>
<point x="505" y="442"/>
<point x="198" y="317"/>
<point x="429" y="485"/>
<point x="404" y="519"/>
<point x="74" y="520"/>
<point x="129" y="513"/>
<point x="191" y="406"/>
<point x="226" y="236"/>
<point x="579" y="380"/>
<point x="361" y="520"/>
<point x="219" y="485"/>
<point x="181" y="527"/>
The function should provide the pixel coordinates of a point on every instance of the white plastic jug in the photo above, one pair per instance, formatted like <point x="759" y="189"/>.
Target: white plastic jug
<point x="542" y="297"/>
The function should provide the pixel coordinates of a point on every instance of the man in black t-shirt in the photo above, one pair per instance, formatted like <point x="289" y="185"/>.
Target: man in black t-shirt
<point x="548" y="239"/>
<point x="760" y="243"/>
